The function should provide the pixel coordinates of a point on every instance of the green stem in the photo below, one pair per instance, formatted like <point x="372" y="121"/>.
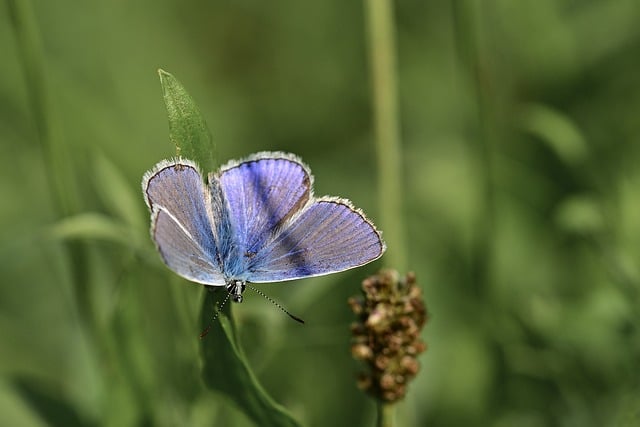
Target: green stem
<point x="381" y="31"/>
<point x="59" y="168"/>
<point x="30" y="50"/>
<point x="386" y="414"/>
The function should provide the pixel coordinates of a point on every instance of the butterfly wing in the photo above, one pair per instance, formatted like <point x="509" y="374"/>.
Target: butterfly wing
<point x="260" y="194"/>
<point x="327" y="236"/>
<point x="181" y="228"/>
<point x="281" y="232"/>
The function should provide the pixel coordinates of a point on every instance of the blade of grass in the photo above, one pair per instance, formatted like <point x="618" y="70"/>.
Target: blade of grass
<point x="58" y="155"/>
<point x="382" y="58"/>
<point x="60" y="171"/>
<point x="382" y="55"/>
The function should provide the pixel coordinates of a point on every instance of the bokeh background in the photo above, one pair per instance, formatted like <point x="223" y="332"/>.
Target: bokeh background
<point x="521" y="174"/>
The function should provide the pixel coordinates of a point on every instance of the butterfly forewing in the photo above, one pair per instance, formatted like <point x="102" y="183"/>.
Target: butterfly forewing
<point x="181" y="227"/>
<point x="327" y="236"/>
<point x="260" y="194"/>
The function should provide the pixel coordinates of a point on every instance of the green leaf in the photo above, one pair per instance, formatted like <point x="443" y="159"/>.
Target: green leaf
<point x="226" y="369"/>
<point x="556" y="130"/>
<point x="91" y="225"/>
<point x="187" y="128"/>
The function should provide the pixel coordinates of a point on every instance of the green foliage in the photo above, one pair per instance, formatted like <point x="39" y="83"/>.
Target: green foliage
<point x="519" y="125"/>
<point x="226" y="368"/>
<point x="187" y="128"/>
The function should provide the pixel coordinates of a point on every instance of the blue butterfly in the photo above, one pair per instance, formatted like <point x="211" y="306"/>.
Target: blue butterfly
<point x="256" y="221"/>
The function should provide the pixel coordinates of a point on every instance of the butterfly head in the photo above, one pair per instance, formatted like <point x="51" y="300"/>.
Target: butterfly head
<point x="235" y="289"/>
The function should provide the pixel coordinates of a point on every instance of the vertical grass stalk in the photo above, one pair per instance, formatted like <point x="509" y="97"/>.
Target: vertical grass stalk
<point x="60" y="171"/>
<point x="386" y="415"/>
<point x="40" y="103"/>
<point x="382" y="58"/>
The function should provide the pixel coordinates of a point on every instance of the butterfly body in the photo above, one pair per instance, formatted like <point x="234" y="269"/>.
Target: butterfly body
<point x="255" y="220"/>
<point x="235" y="289"/>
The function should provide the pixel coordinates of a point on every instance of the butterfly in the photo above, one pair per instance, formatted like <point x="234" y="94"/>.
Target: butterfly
<point x="254" y="220"/>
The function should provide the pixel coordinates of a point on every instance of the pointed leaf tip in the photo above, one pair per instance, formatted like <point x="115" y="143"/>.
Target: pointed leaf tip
<point x="188" y="130"/>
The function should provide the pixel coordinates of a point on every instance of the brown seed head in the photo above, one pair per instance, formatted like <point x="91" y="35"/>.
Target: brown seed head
<point x="386" y="336"/>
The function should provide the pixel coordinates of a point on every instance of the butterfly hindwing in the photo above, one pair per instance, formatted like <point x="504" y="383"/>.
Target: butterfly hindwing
<point x="327" y="236"/>
<point x="181" y="227"/>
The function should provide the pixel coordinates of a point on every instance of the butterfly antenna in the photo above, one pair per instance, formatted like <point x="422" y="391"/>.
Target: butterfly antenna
<point x="274" y="302"/>
<point x="215" y="316"/>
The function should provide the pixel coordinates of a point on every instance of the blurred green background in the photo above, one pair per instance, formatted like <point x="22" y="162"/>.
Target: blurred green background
<point x="520" y="125"/>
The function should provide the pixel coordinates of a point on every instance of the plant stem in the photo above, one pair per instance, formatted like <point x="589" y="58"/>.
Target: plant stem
<point x="382" y="55"/>
<point x="386" y="414"/>
<point x="30" y="50"/>
<point x="60" y="170"/>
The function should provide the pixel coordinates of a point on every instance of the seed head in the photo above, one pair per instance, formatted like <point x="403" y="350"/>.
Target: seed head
<point x="386" y="335"/>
